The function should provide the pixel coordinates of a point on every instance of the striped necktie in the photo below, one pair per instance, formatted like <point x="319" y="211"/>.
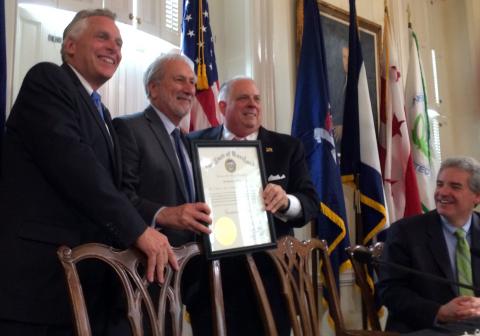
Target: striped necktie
<point x="464" y="264"/>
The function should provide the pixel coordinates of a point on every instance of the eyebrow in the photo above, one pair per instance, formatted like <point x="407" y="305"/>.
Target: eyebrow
<point x="244" y="95"/>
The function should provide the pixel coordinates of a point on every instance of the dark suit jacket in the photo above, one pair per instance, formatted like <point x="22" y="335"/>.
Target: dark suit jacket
<point x="418" y="242"/>
<point x="58" y="186"/>
<point x="152" y="177"/>
<point x="283" y="156"/>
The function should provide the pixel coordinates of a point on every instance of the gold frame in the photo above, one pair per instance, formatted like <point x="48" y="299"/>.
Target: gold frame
<point x="365" y="26"/>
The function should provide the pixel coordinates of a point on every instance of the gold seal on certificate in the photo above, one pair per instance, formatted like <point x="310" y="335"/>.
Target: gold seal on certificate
<point x="225" y="231"/>
<point x="231" y="178"/>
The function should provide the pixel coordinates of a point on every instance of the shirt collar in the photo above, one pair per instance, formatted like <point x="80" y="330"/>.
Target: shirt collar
<point x="228" y="135"/>
<point x="82" y="80"/>
<point x="451" y="228"/>
<point x="169" y="126"/>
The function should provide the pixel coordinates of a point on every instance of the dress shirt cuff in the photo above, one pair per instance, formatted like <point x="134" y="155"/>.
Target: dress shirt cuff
<point x="154" y="224"/>
<point x="294" y="210"/>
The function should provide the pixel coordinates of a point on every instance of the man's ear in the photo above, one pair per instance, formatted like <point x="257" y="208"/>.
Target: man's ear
<point x="477" y="200"/>
<point x="152" y="94"/>
<point x="222" y="106"/>
<point x="69" y="46"/>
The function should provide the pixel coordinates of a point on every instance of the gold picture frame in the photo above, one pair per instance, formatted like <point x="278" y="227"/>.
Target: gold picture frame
<point x="335" y="25"/>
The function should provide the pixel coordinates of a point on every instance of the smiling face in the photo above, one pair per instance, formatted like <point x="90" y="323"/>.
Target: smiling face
<point x="242" y="108"/>
<point x="174" y="92"/>
<point x="453" y="197"/>
<point x="95" y="52"/>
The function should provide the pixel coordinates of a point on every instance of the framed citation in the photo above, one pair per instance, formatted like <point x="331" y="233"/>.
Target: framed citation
<point x="230" y="177"/>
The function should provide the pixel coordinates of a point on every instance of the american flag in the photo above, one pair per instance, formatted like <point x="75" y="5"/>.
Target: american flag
<point x="197" y="44"/>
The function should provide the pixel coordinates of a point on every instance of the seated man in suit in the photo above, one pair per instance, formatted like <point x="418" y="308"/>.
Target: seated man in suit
<point x="289" y="195"/>
<point x="436" y="243"/>
<point x="60" y="186"/>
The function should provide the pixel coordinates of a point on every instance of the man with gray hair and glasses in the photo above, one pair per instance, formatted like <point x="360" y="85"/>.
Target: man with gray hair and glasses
<point x="443" y="243"/>
<point x="60" y="186"/>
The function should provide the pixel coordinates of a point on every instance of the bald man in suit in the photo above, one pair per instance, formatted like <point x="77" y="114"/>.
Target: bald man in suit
<point x="289" y="195"/>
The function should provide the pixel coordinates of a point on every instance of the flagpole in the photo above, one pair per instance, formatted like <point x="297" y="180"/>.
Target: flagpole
<point x="359" y="232"/>
<point x="359" y="237"/>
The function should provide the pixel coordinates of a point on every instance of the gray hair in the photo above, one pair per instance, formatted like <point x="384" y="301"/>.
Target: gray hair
<point x="156" y="70"/>
<point x="467" y="164"/>
<point x="226" y="87"/>
<point x="78" y="24"/>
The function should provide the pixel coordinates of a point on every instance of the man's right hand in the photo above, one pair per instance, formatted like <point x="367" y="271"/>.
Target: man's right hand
<point x="460" y="308"/>
<point x="189" y="216"/>
<point x="159" y="252"/>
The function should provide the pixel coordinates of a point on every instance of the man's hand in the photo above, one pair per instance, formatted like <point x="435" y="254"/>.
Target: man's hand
<point x="159" y="252"/>
<point x="190" y="216"/>
<point x="460" y="308"/>
<point x="275" y="198"/>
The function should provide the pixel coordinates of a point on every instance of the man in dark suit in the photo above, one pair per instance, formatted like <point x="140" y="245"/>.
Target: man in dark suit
<point x="59" y="185"/>
<point x="289" y="195"/>
<point x="153" y="176"/>
<point x="157" y="175"/>
<point x="429" y="243"/>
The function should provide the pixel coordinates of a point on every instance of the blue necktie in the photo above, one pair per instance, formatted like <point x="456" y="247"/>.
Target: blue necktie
<point x="97" y="101"/>
<point x="183" y="164"/>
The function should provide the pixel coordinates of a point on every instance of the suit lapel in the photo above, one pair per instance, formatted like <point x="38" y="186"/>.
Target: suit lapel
<point x="439" y="248"/>
<point x="475" y="242"/>
<point x="217" y="133"/>
<point x="110" y="142"/>
<point x="116" y="148"/>
<point x="265" y="139"/>
<point x="158" y="129"/>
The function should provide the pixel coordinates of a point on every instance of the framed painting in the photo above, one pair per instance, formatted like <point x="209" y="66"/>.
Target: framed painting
<point x="335" y="25"/>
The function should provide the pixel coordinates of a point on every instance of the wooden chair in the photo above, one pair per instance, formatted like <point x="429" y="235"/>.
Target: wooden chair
<point x="296" y="265"/>
<point x="292" y="259"/>
<point x="366" y="286"/>
<point x="127" y="264"/>
<point x="334" y="302"/>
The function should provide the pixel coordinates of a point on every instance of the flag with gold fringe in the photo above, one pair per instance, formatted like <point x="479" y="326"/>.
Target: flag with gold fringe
<point x="197" y="44"/>
<point x="360" y="162"/>
<point x="312" y="124"/>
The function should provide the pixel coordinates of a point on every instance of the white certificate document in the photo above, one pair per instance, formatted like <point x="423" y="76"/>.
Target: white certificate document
<point x="232" y="187"/>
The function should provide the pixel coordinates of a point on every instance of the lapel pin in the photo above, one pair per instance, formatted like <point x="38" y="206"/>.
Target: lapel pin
<point x="269" y="149"/>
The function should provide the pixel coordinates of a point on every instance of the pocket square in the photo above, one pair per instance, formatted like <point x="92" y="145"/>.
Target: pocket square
<point x="276" y="177"/>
